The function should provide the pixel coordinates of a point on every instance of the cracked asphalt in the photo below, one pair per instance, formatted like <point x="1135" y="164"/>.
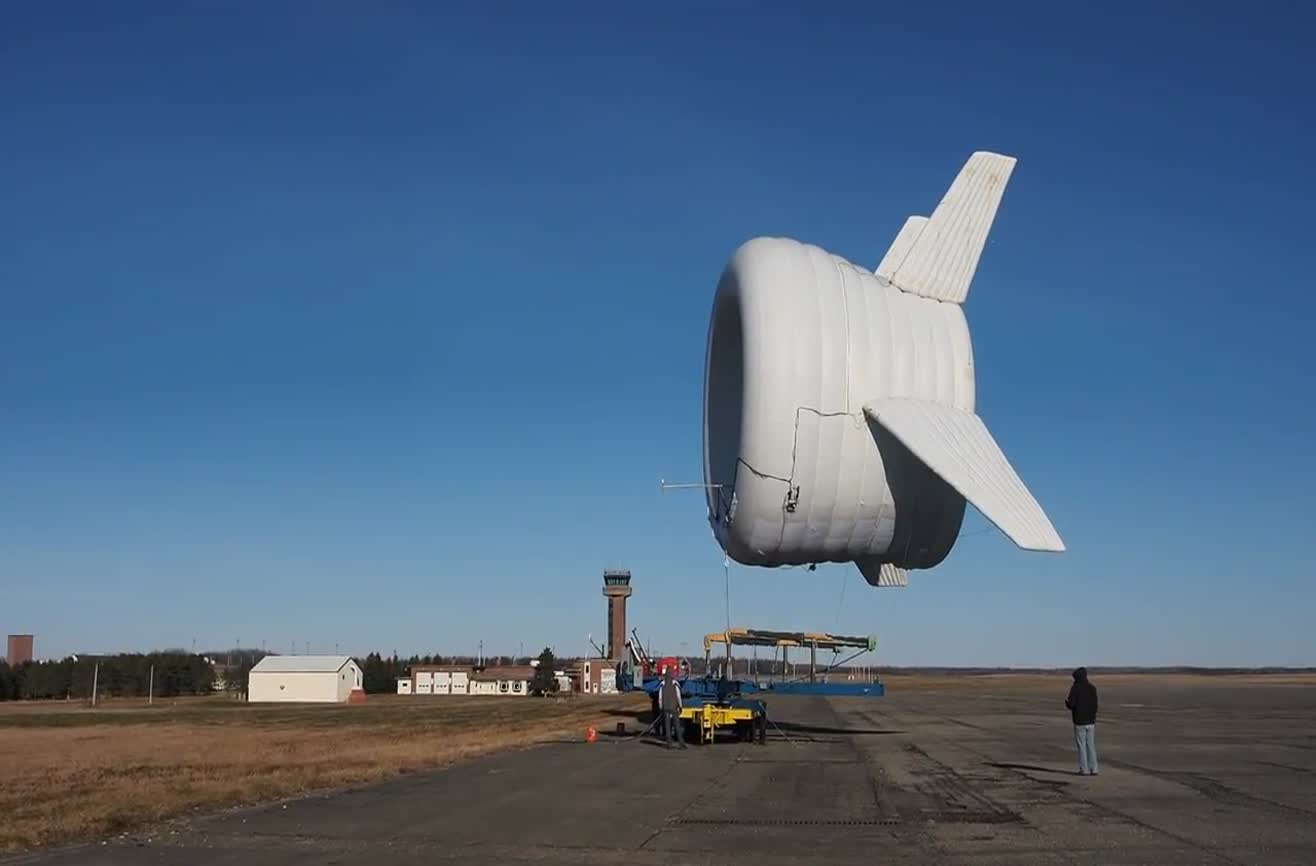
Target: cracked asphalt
<point x="1202" y="772"/>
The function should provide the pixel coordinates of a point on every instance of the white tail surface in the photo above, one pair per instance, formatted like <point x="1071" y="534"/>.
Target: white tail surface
<point x="882" y="573"/>
<point x="901" y="246"/>
<point x="958" y="446"/>
<point x="941" y="262"/>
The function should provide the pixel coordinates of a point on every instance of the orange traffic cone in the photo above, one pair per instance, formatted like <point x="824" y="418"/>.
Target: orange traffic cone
<point x="591" y="735"/>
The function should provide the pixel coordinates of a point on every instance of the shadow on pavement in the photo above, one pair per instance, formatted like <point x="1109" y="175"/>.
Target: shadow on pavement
<point x="793" y="728"/>
<point x="1033" y="768"/>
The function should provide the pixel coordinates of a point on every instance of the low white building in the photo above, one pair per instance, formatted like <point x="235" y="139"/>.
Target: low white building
<point x="438" y="680"/>
<point x="484" y="687"/>
<point x="298" y="679"/>
<point x="510" y="680"/>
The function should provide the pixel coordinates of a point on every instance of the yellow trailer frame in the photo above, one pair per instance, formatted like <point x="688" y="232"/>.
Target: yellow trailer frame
<point x="709" y="717"/>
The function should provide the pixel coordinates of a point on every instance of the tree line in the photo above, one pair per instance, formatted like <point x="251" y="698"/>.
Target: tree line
<point x="125" y="675"/>
<point x="182" y="673"/>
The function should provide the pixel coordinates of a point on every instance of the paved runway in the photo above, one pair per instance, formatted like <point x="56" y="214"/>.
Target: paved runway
<point x="1201" y="774"/>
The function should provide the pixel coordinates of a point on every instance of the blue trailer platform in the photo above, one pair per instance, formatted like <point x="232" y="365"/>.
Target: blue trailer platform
<point x="845" y="689"/>
<point x="711" y="688"/>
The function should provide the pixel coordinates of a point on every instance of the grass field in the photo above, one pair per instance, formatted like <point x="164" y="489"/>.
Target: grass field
<point x="72" y="772"/>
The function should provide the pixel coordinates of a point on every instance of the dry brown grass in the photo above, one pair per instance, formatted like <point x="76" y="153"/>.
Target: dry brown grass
<point x="72" y="773"/>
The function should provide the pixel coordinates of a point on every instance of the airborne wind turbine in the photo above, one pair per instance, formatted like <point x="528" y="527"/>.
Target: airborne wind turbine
<point x="839" y="421"/>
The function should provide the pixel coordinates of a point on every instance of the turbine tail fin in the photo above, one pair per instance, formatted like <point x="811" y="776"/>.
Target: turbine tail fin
<point x="882" y="573"/>
<point x="941" y="262"/>
<point x="901" y="246"/>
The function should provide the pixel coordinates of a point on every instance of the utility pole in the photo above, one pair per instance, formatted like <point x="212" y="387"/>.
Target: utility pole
<point x="726" y="571"/>
<point x="150" y="688"/>
<point x="95" y="676"/>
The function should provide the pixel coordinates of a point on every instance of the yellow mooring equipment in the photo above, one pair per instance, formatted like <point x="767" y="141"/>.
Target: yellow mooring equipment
<point x="784" y="640"/>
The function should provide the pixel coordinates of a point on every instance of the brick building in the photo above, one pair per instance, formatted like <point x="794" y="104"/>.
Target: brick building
<point x="19" y="649"/>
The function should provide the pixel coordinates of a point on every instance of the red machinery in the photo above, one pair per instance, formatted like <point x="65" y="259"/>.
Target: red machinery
<point x="663" y="664"/>
<point x="655" y="667"/>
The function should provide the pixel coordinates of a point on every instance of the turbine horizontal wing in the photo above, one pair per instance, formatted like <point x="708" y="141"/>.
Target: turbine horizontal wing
<point x="958" y="446"/>
<point x="944" y="257"/>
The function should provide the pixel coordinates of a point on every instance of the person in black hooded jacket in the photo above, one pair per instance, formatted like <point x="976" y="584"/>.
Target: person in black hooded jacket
<point x="1082" y="705"/>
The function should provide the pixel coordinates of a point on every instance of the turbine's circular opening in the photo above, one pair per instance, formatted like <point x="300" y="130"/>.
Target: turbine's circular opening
<point x="724" y="394"/>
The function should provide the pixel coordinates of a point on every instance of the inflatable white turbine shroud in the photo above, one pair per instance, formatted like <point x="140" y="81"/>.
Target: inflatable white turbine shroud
<point x="839" y="419"/>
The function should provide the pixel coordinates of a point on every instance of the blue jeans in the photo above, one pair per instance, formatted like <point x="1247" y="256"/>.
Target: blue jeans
<point x="673" y="729"/>
<point x="1085" y="740"/>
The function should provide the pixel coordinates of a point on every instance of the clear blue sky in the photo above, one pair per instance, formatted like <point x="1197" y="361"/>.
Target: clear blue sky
<point x="328" y="322"/>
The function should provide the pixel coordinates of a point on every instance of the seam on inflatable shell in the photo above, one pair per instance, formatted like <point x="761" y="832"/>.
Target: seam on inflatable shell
<point x="845" y="319"/>
<point x="798" y="409"/>
<point x="790" y="482"/>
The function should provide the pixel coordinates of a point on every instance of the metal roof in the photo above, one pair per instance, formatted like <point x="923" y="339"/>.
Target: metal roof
<point x="300" y="664"/>
<point x="505" y="672"/>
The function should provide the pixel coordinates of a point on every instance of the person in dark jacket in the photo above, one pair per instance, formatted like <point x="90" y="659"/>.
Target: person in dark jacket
<point x="1082" y="705"/>
<point x="669" y="704"/>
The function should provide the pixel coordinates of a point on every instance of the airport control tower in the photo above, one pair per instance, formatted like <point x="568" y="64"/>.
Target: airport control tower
<point x="616" y="589"/>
